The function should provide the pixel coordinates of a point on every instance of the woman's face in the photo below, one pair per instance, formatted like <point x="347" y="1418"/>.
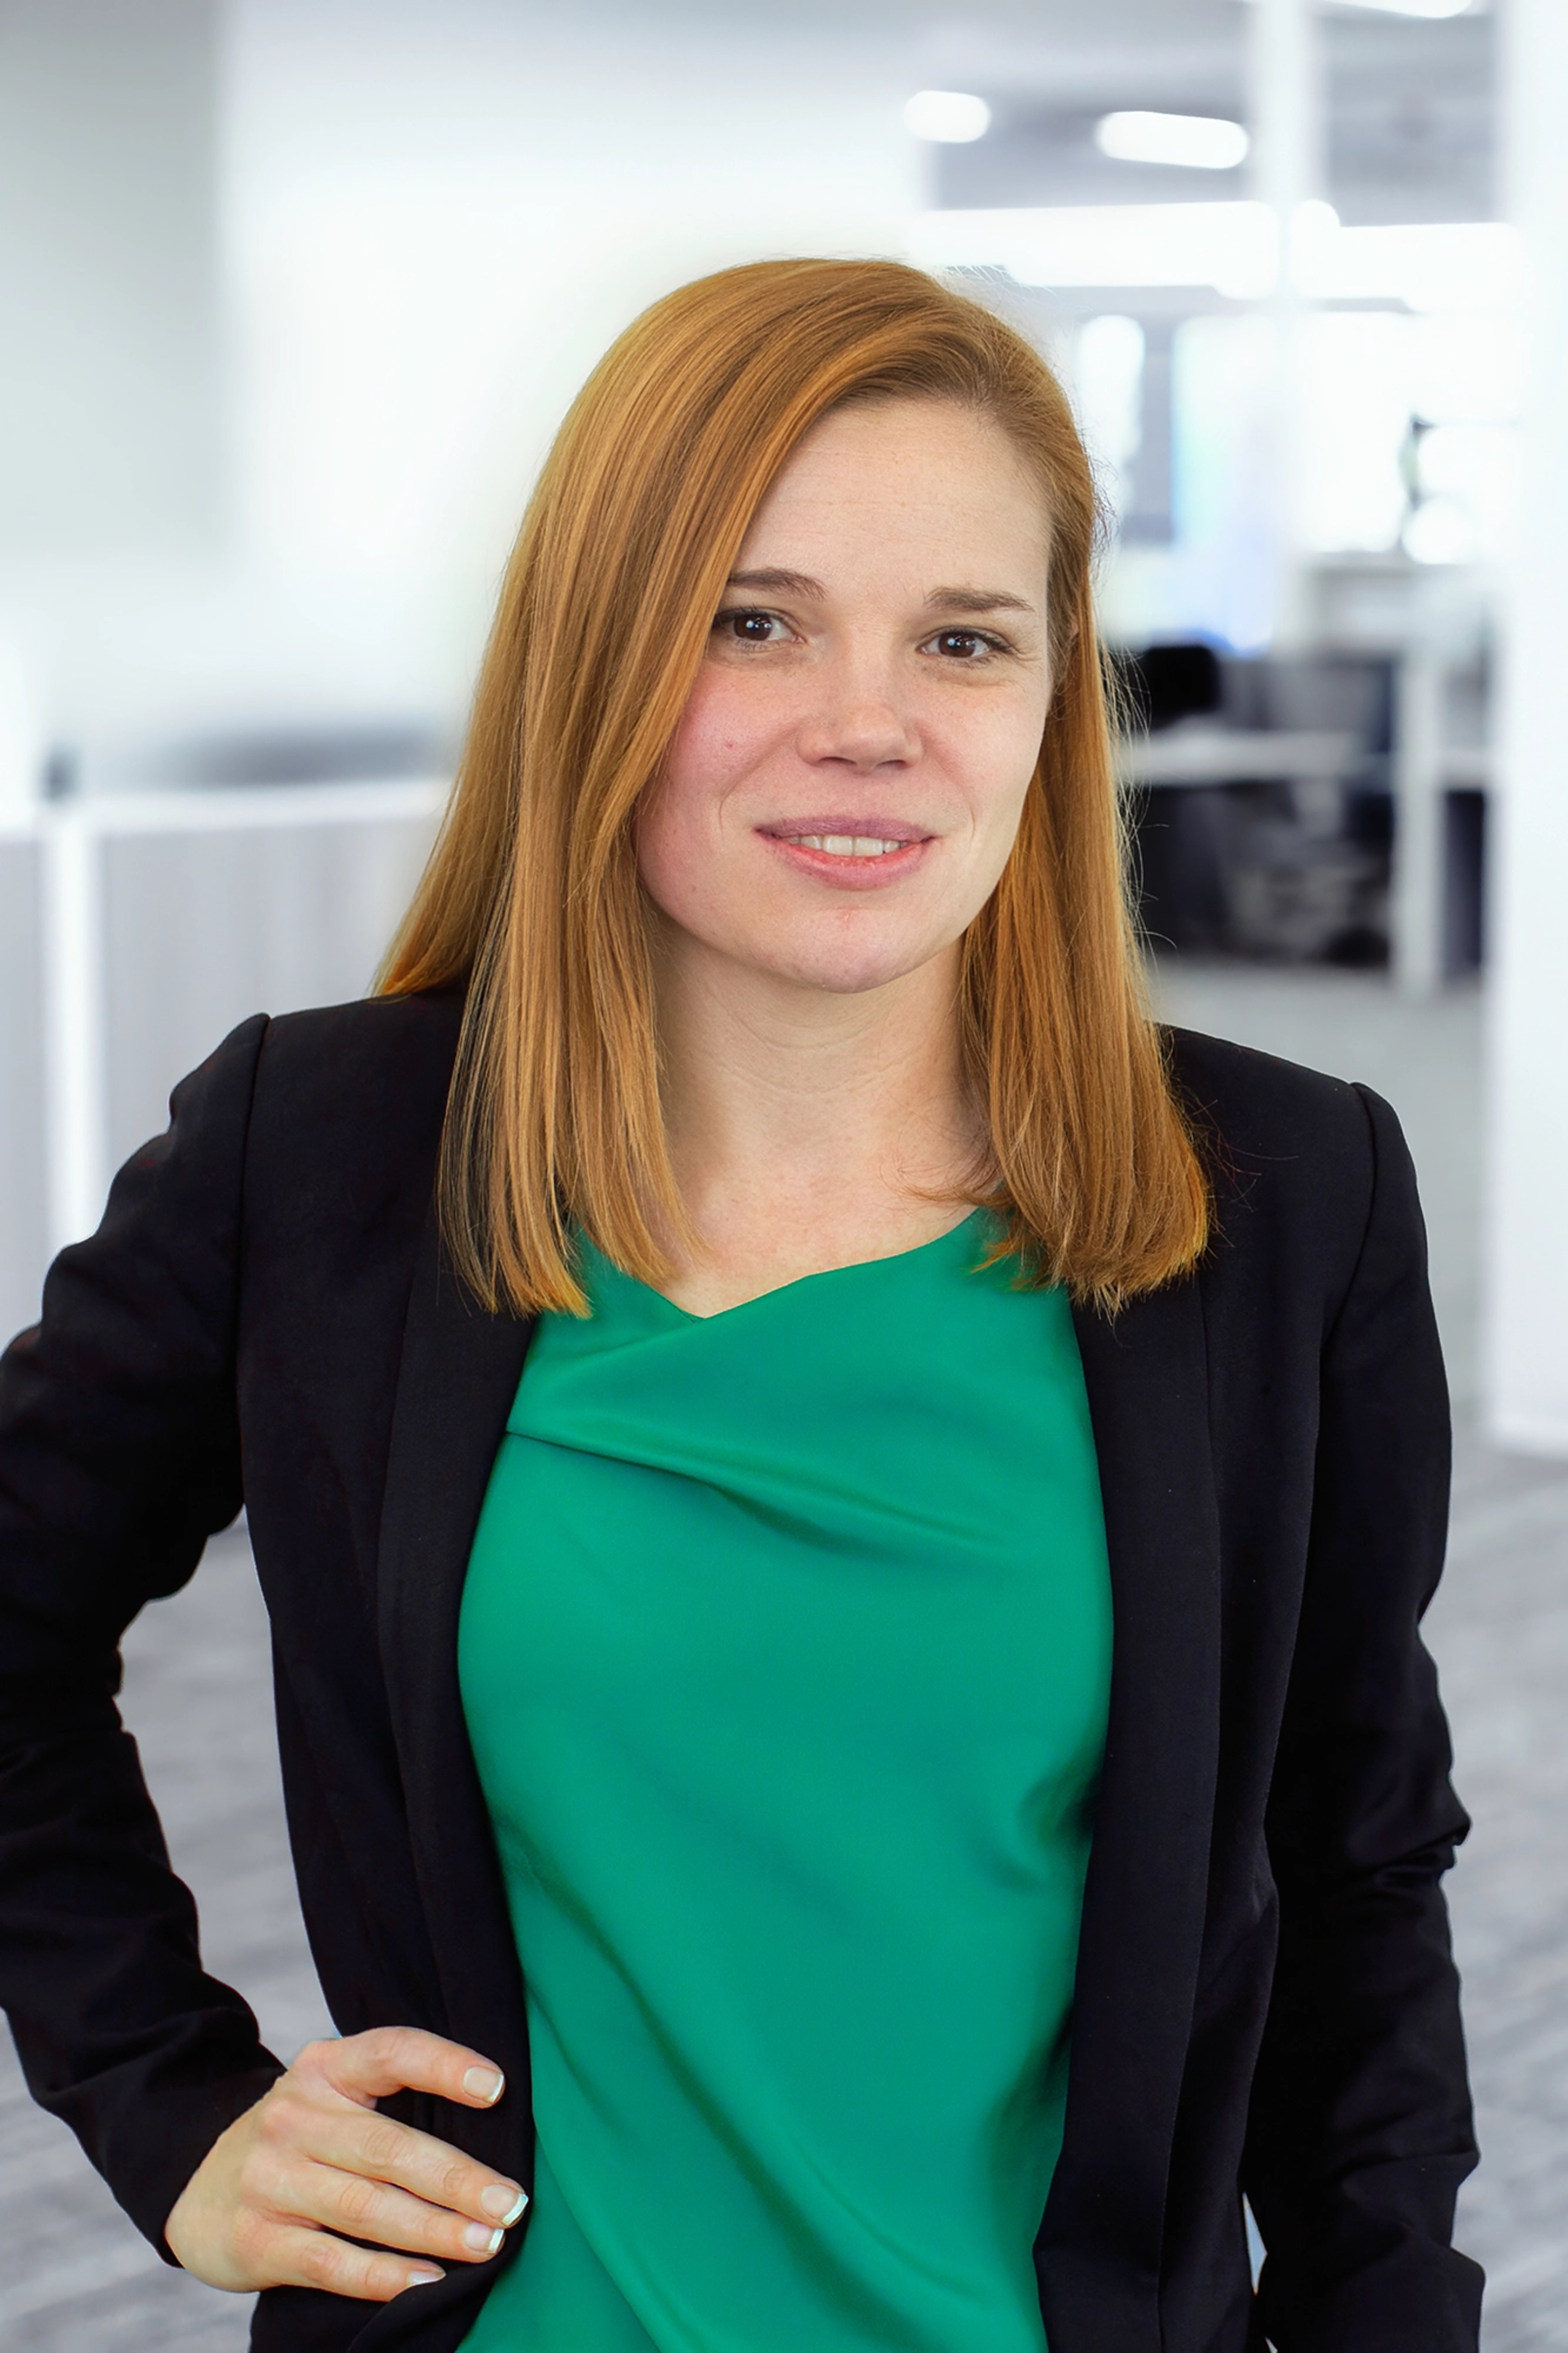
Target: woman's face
<point x="847" y="779"/>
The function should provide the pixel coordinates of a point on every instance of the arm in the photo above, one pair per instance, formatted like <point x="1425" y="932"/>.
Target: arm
<point x="119" y="1457"/>
<point x="1361" y="2130"/>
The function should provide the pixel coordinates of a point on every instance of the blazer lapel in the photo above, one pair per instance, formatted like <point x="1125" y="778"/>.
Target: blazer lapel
<point x="458" y="1373"/>
<point x="1099" y="2245"/>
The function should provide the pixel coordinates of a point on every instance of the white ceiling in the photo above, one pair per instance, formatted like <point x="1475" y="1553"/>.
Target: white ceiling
<point x="1410" y="114"/>
<point x="1410" y="110"/>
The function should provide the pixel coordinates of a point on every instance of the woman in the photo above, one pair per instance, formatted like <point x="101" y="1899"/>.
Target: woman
<point x="844" y="1520"/>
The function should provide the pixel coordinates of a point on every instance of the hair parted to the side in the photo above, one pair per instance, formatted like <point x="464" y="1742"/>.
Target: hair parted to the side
<point x="532" y="897"/>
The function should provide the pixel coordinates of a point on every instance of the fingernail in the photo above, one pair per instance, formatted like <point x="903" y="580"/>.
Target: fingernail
<point x="501" y="2200"/>
<point x="484" y="2084"/>
<point x="423" y="2278"/>
<point x="483" y="2241"/>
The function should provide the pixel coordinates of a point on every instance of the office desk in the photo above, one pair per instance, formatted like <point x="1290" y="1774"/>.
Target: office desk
<point x="1425" y="768"/>
<point x="1196" y="751"/>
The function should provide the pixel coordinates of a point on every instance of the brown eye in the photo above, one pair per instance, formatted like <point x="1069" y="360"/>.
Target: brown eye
<point x="963" y="645"/>
<point x="749" y="628"/>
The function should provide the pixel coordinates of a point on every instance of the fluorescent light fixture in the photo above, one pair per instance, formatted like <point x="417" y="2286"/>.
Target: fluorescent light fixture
<point x="1411" y="7"/>
<point x="1475" y="266"/>
<point x="1414" y="8"/>
<point x="1202" y="141"/>
<point x="952" y="117"/>
<point x="1234" y="248"/>
<point x="1429" y="266"/>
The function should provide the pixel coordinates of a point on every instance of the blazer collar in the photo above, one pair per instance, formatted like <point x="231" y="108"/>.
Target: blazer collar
<point x="1099" y="2245"/>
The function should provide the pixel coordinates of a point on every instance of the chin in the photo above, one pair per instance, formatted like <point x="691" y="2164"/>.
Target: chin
<point x="853" y="975"/>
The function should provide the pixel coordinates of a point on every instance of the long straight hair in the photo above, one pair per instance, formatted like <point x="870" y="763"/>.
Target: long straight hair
<point x="532" y="899"/>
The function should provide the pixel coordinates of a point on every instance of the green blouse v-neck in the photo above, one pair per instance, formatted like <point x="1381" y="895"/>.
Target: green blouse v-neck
<point x="785" y="1655"/>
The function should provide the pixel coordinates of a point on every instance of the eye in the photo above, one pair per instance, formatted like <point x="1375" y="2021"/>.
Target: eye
<point x="749" y="627"/>
<point x="964" y="645"/>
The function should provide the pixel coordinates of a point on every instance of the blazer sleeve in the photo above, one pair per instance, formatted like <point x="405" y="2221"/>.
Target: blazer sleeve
<point x="119" y="1457"/>
<point x="1361" y="2129"/>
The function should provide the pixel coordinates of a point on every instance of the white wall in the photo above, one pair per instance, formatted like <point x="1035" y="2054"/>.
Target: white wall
<point x="431" y="216"/>
<point x="112" y="472"/>
<point x="437" y="217"/>
<point x="109" y="289"/>
<point x="1528" y="1217"/>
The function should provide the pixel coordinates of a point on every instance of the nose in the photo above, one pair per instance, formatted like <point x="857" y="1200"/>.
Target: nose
<point x="861" y="720"/>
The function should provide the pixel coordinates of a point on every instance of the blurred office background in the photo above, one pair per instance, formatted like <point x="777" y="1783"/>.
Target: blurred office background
<point x="292" y="295"/>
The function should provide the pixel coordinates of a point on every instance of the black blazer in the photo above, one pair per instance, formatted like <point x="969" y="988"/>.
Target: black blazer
<point x="1266" y="2000"/>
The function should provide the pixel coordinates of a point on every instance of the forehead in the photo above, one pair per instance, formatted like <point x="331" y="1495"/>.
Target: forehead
<point x="913" y="477"/>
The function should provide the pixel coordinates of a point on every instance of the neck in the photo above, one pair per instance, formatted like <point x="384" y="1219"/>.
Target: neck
<point x="808" y="1128"/>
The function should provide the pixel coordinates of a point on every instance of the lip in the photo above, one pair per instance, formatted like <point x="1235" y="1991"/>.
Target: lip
<point x="851" y="873"/>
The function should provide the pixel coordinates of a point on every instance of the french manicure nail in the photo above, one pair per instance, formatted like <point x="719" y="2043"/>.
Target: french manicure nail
<point x="484" y="2084"/>
<point x="423" y="2278"/>
<point x="504" y="2201"/>
<point x="481" y="2238"/>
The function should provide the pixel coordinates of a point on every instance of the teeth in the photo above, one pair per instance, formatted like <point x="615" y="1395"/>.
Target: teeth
<point x="847" y="845"/>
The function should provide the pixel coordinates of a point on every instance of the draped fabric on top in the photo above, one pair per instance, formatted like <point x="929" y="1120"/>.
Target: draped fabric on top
<point x="786" y="1651"/>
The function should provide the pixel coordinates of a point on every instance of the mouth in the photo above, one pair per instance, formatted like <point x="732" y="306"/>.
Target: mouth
<point x="844" y="845"/>
<point x="853" y="850"/>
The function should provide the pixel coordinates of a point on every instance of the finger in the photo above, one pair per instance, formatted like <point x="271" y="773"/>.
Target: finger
<point x="362" y="2143"/>
<point x="373" y="2210"/>
<point x="298" y="2257"/>
<point x="395" y="2058"/>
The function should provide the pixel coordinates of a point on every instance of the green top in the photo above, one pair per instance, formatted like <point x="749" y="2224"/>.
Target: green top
<point x="786" y="1651"/>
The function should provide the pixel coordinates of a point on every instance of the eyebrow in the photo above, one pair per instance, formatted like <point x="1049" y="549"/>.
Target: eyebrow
<point x="976" y="600"/>
<point x="940" y="600"/>
<point x="787" y="584"/>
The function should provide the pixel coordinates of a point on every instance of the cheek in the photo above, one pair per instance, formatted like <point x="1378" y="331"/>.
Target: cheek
<point x="668" y="858"/>
<point x="726" y="733"/>
<point x="722" y="734"/>
<point x="1001" y="764"/>
<point x="678" y="825"/>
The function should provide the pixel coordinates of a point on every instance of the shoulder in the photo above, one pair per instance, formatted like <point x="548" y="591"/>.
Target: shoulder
<point x="1258" y="1105"/>
<point x="1293" y="1153"/>
<point x="350" y="1095"/>
<point x="376" y="1042"/>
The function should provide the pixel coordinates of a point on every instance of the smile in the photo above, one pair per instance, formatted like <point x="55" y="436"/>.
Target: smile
<point x="850" y="853"/>
<point x="844" y="845"/>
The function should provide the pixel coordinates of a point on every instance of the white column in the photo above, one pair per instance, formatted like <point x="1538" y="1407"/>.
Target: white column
<point x="1285" y="110"/>
<point x="76" y="1077"/>
<point x="1527" y="1303"/>
<point x="1285" y="103"/>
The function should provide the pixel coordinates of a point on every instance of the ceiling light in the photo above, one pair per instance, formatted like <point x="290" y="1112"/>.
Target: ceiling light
<point x="1414" y="8"/>
<point x="1432" y="266"/>
<point x="1201" y="141"/>
<point x="951" y="116"/>
<point x="1233" y="247"/>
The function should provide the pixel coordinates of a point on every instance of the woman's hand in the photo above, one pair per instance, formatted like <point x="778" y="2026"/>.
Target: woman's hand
<point x="312" y="2157"/>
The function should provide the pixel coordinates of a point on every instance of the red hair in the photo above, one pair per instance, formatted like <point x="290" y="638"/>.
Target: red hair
<point x="531" y="898"/>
